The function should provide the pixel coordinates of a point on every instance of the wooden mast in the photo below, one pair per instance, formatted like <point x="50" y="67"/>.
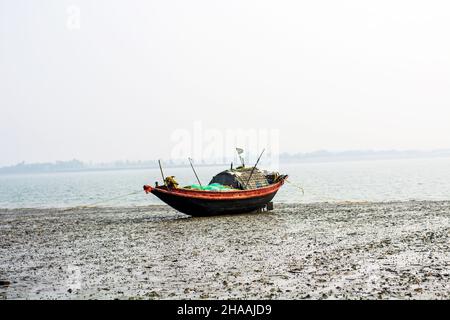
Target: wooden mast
<point x="192" y="166"/>
<point x="162" y="174"/>
<point x="253" y="169"/>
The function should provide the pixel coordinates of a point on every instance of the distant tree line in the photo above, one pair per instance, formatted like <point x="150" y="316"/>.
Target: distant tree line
<point x="317" y="156"/>
<point x="323" y="155"/>
<point x="75" y="165"/>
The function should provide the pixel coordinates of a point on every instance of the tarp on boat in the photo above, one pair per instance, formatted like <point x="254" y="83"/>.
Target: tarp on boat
<point x="237" y="178"/>
<point x="210" y="187"/>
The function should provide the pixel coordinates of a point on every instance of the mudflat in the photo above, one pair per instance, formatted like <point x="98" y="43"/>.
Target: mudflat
<point x="389" y="250"/>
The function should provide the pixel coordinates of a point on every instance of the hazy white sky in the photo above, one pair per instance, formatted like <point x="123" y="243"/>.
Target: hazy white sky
<point x="328" y="74"/>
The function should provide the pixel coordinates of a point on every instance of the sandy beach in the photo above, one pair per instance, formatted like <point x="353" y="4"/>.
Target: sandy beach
<point x="395" y="250"/>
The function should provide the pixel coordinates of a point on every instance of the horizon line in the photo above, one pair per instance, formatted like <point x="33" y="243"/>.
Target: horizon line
<point x="284" y="157"/>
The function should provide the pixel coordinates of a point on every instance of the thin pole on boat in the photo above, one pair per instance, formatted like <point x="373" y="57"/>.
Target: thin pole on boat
<point x="192" y="166"/>
<point x="253" y="169"/>
<point x="162" y="174"/>
<point x="239" y="152"/>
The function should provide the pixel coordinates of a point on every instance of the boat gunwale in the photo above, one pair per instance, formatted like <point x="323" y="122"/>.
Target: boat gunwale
<point x="221" y="195"/>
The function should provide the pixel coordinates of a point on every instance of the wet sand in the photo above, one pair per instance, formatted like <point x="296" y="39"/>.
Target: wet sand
<point x="397" y="250"/>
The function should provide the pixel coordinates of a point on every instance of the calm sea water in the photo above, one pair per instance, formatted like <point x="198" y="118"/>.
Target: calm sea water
<point x="380" y="180"/>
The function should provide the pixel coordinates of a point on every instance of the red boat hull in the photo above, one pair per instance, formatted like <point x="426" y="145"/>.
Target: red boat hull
<point x="208" y="203"/>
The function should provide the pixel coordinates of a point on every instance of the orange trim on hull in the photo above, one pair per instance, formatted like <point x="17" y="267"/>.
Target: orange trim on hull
<point x="217" y="195"/>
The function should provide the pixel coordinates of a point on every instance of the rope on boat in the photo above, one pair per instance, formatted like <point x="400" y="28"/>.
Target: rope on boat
<point x="103" y="201"/>
<point x="296" y="185"/>
<point x="136" y="192"/>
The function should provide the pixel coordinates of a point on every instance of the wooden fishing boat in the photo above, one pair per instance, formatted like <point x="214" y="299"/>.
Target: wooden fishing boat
<point x="249" y="190"/>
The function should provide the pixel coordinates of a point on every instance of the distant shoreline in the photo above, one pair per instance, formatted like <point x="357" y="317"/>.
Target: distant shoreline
<point x="314" y="157"/>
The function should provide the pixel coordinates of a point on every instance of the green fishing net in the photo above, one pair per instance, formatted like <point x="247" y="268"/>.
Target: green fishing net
<point x="210" y="187"/>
